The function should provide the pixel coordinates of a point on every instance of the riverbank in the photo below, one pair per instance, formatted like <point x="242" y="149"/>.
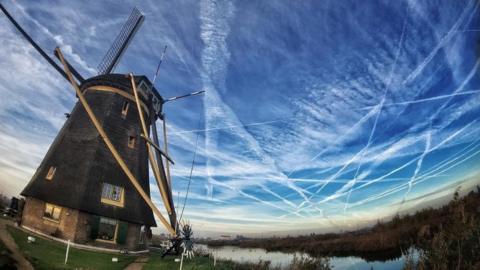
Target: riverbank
<point x="48" y="254"/>
<point x="384" y="241"/>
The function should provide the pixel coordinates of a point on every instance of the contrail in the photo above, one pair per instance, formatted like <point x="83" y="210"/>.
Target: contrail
<point x="428" y="141"/>
<point x="230" y="127"/>
<point x="218" y="183"/>
<point x="449" y="138"/>
<point x="426" y="175"/>
<point x="264" y="188"/>
<point x="470" y="92"/>
<point x="440" y="45"/>
<point x="420" y="180"/>
<point x="351" y="184"/>
<point x="417" y="71"/>
<point x="404" y="165"/>
<point x="452" y="159"/>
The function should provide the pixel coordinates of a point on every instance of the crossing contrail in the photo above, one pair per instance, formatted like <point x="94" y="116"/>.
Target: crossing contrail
<point x="470" y="92"/>
<point x="231" y="127"/>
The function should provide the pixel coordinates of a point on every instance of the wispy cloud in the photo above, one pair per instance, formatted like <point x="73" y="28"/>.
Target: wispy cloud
<point x="307" y="123"/>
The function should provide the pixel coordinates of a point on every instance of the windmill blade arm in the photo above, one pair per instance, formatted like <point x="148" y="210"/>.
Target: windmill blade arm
<point x="40" y="50"/>
<point x="166" y="173"/>
<point x="159" y="177"/>
<point x="184" y="96"/>
<point x="165" y="145"/>
<point x="113" y="55"/>
<point x="74" y="71"/>
<point x="157" y="148"/>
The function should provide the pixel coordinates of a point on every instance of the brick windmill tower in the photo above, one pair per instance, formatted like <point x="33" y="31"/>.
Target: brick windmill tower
<point x="92" y="187"/>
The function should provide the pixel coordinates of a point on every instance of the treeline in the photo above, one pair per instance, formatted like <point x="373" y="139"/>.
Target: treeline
<point x="388" y="240"/>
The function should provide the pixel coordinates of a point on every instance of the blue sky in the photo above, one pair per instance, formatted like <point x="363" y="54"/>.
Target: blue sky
<point x="318" y="115"/>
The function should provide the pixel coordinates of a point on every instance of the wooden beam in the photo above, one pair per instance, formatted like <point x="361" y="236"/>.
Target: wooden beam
<point x="156" y="169"/>
<point x="173" y="216"/>
<point x="165" y="144"/>
<point x="157" y="148"/>
<point x="103" y="88"/>
<point x="112" y="149"/>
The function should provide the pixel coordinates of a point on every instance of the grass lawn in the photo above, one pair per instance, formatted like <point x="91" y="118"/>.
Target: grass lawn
<point x="197" y="263"/>
<point x="157" y="262"/>
<point x="48" y="254"/>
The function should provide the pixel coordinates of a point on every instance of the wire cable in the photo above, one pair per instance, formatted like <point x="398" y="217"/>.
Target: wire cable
<point x="190" y="178"/>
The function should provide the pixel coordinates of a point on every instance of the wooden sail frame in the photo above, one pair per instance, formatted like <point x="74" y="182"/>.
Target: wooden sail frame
<point x="155" y="167"/>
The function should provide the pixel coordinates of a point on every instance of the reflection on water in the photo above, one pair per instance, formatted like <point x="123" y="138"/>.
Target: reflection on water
<point x="284" y="259"/>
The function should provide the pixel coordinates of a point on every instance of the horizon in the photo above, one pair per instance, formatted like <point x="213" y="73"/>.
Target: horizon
<point x="315" y="116"/>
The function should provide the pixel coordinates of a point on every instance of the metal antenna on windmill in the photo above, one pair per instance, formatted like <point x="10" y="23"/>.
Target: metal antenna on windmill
<point x="158" y="66"/>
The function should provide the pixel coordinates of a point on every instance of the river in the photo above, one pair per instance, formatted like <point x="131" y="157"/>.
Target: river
<point x="284" y="259"/>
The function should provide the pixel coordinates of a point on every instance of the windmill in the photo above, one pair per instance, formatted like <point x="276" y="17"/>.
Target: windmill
<point x="92" y="186"/>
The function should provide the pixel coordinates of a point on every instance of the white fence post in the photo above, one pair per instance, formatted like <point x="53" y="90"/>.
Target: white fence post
<point x="66" y="253"/>
<point x="181" y="262"/>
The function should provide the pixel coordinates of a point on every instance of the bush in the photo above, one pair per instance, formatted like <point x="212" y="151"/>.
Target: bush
<point x="456" y="243"/>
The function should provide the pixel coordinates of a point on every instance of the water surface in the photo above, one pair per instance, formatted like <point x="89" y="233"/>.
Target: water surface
<point x="283" y="259"/>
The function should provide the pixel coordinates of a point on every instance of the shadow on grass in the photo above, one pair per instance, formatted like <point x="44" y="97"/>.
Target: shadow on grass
<point x="6" y="260"/>
<point x="48" y="254"/>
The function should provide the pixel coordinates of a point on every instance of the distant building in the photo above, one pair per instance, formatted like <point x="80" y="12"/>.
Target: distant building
<point x="240" y="237"/>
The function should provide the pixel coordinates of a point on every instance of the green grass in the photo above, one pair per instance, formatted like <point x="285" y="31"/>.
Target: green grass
<point x="157" y="262"/>
<point x="198" y="263"/>
<point x="48" y="254"/>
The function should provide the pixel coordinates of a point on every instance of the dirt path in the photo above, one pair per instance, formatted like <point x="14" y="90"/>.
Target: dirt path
<point x="22" y="263"/>
<point x="137" y="264"/>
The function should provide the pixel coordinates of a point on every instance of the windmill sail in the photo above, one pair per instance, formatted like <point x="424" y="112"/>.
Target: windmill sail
<point x="129" y="29"/>
<point x="39" y="49"/>
<point x="95" y="176"/>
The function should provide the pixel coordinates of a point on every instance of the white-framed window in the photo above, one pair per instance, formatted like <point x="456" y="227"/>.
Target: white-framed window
<point x="51" y="172"/>
<point x="141" y="239"/>
<point x="52" y="212"/>
<point x="107" y="229"/>
<point x="144" y="89"/>
<point x="112" y="194"/>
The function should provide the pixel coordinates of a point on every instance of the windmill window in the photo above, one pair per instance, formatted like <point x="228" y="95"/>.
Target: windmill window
<point x="113" y="195"/>
<point x="131" y="141"/>
<point x="107" y="229"/>
<point x="52" y="212"/>
<point x="51" y="173"/>
<point x="142" y="235"/>
<point x="125" y="108"/>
